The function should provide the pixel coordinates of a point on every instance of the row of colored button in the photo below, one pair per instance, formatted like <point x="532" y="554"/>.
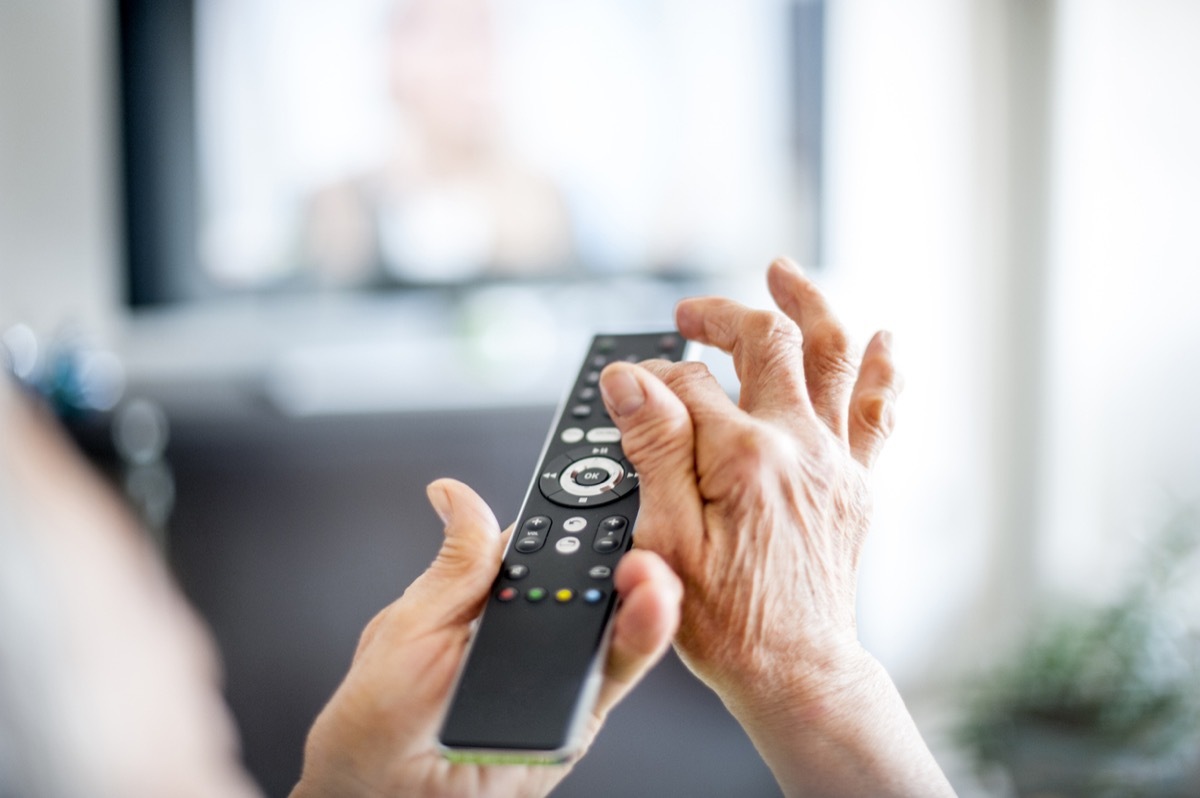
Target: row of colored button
<point x="563" y="595"/>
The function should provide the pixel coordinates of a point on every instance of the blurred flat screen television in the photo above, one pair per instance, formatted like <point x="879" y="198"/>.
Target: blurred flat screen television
<point x="275" y="149"/>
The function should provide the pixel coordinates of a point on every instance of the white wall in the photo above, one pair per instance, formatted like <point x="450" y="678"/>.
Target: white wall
<point x="57" y="208"/>
<point x="1124" y="391"/>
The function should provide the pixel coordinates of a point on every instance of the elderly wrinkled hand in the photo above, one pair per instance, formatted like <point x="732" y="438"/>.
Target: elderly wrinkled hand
<point x="762" y="507"/>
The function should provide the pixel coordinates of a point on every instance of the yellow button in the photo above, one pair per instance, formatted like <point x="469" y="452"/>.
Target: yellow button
<point x="564" y="595"/>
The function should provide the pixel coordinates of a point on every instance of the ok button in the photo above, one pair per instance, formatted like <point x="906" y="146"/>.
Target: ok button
<point x="592" y="476"/>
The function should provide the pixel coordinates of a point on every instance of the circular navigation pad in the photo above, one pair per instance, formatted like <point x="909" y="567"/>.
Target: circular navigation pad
<point x="588" y="476"/>
<point x="591" y="476"/>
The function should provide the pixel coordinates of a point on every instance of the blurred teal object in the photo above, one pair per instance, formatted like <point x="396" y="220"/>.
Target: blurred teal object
<point x="84" y="387"/>
<point x="73" y="378"/>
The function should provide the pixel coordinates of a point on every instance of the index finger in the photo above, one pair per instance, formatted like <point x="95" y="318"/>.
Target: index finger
<point x="766" y="347"/>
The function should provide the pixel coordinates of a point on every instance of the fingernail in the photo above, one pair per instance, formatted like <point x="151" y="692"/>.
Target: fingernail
<point x="622" y="392"/>
<point x="788" y="264"/>
<point x="440" y="499"/>
<point x="885" y="338"/>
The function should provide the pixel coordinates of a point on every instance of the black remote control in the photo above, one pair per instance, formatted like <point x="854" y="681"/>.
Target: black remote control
<point x="535" y="662"/>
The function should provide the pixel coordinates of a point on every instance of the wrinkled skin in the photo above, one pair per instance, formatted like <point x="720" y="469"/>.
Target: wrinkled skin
<point x="762" y="507"/>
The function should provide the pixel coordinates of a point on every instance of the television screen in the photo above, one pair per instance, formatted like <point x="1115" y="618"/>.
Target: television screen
<point x="277" y="145"/>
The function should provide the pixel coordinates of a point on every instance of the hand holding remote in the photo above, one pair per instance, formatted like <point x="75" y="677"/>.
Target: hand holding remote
<point x="376" y="737"/>
<point x="762" y="509"/>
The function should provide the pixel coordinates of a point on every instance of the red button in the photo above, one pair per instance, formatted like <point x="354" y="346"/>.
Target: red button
<point x="507" y="594"/>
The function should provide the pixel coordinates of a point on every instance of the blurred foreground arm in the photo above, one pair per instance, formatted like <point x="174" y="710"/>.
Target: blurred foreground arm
<point x="762" y="508"/>
<point x="109" y="682"/>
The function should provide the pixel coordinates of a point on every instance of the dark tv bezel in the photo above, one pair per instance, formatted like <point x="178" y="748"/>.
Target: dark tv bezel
<point x="158" y="143"/>
<point x="155" y="51"/>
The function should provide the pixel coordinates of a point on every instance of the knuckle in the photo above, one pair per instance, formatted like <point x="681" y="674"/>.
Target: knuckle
<point x="678" y="377"/>
<point x="687" y="373"/>
<point x="827" y="353"/>
<point x="874" y="414"/>
<point x="755" y="450"/>
<point x="829" y="337"/>
<point x="769" y="343"/>
<point x="770" y="329"/>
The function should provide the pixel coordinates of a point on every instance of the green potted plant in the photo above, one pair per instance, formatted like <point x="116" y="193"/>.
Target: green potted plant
<point x="1101" y="700"/>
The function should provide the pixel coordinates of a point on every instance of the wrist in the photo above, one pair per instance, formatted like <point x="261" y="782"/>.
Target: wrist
<point x="838" y="729"/>
<point x="807" y="695"/>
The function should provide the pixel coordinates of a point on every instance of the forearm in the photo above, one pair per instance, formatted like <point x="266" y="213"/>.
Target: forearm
<point x="854" y="737"/>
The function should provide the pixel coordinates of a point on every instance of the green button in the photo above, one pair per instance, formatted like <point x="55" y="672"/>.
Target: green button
<point x="536" y="594"/>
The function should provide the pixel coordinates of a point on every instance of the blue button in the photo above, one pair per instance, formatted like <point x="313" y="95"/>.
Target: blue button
<point x="593" y="596"/>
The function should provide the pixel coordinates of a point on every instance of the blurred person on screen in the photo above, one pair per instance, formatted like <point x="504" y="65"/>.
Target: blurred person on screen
<point x="452" y="202"/>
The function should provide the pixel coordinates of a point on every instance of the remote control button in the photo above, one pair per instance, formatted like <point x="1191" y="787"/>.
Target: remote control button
<point x="592" y="377"/>
<point x="599" y="361"/>
<point x="557" y="481"/>
<point x="592" y="477"/>
<point x="517" y="571"/>
<point x="564" y="595"/>
<point x="581" y="411"/>
<point x="593" y="595"/>
<point x="528" y="545"/>
<point x="600" y="572"/>
<point x="604" y="435"/>
<point x="606" y="344"/>
<point x="580" y="452"/>
<point x="548" y="482"/>
<point x="627" y="485"/>
<point x="535" y="594"/>
<point x="533" y="534"/>
<point x="610" y="536"/>
<point x="575" y="524"/>
<point x="615" y="523"/>
<point x="668" y="343"/>
<point x="571" y="435"/>
<point x="507" y="594"/>
<point x="587" y="394"/>
<point x="567" y="545"/>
